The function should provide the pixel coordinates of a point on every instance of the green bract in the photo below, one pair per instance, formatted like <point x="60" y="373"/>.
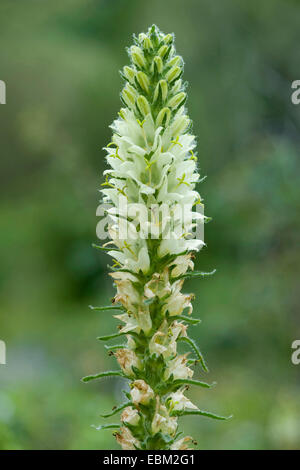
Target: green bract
<point x="152" y="165"/>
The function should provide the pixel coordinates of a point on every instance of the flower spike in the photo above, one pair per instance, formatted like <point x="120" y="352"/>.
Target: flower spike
<point x="153" y="174"/>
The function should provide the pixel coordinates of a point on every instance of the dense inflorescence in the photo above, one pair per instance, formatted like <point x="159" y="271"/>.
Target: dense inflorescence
<point x="153" y="164"/>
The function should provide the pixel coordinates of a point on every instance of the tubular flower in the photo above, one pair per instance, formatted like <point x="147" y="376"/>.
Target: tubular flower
<point x="130" y="416"/>
<point x="150" y="188"/>
<point x="126" y="439"/>
<point x="141" y="393"/>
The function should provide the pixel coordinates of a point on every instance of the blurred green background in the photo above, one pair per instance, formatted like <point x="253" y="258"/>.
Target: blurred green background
<point x="60" y="61"/>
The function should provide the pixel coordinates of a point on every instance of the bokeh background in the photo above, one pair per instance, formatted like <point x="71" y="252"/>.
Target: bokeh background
<point x="60" y="61"/>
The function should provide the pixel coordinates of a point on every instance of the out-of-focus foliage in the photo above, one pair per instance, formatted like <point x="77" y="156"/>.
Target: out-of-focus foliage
<point x="60" y="62"/>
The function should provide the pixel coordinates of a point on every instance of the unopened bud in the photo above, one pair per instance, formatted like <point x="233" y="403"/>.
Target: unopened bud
<point x="122" y="113"/>
<point x="158" y="64"/>
<point x="137" y="56"/>
<point x="129" y="73"/>
<point x="176" y="60"/>
<point x="176" y="100"/>
<point x="168" y="38"/>
<point x="173" y="73"/>
<point x="163" y="51"/>
<point x="142" y="36"/>
<point x="161" y="91"/>
<point x="143" y="81"/>
<point x="177" y="86"/>
<point x="128" y="95"/>
<point x="154" y="35"/>
<point x="179" y="125"/>
<point x="163" y="117"/>
<point x="143" y="105"/>
<point x="145" y="41"/>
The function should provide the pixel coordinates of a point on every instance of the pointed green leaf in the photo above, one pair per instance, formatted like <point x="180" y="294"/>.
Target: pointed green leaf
<point x="106" y="426"/>
<point x="193" y="382"/>
<point x="196" y="274"/>
<point x="110" y="373"/>
<point x="117" y="409"/>
<point x="196" y="350"/>
<point x="191" y="320"/>
<point x="122" y="270"/>
<point x="115" y="346"/>
<point x="208" y="414"/>
<point x="116" y="335"/>
<point x="202" y="179"/>
<point x="127" y="394"/>
<point x="107" y="307"/>
<point x="104" y="248"/>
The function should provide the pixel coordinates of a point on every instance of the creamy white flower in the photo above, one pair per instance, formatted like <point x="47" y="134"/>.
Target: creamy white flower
<point x="182" y="444"/>
<point x="140" y="320"/>
<point x="178" y="368"/>
<point x="164" y="341"/>
<point x="141" y="392"/>
<point x="181" y="264"/>
<point x="127" y="295"/>
<point x="126" y="439"/>
<point x="134" y="261"/>
<point x="131" y="323"/>
<point x="131" y="344"/>
<point x="177" y="302"/>
<point x="178" y="329"/>
<point x="138" y="316"/>
<point x="159" y="285"/>
<point x="158" y="344"/>
<point x="130" y="416"/>
<point x="163" y="422"/>
<point x="177" y="401"/>
<point x="144" y="319"/>
<point x="124" y="276"/>
<point x="127" y="359"/>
